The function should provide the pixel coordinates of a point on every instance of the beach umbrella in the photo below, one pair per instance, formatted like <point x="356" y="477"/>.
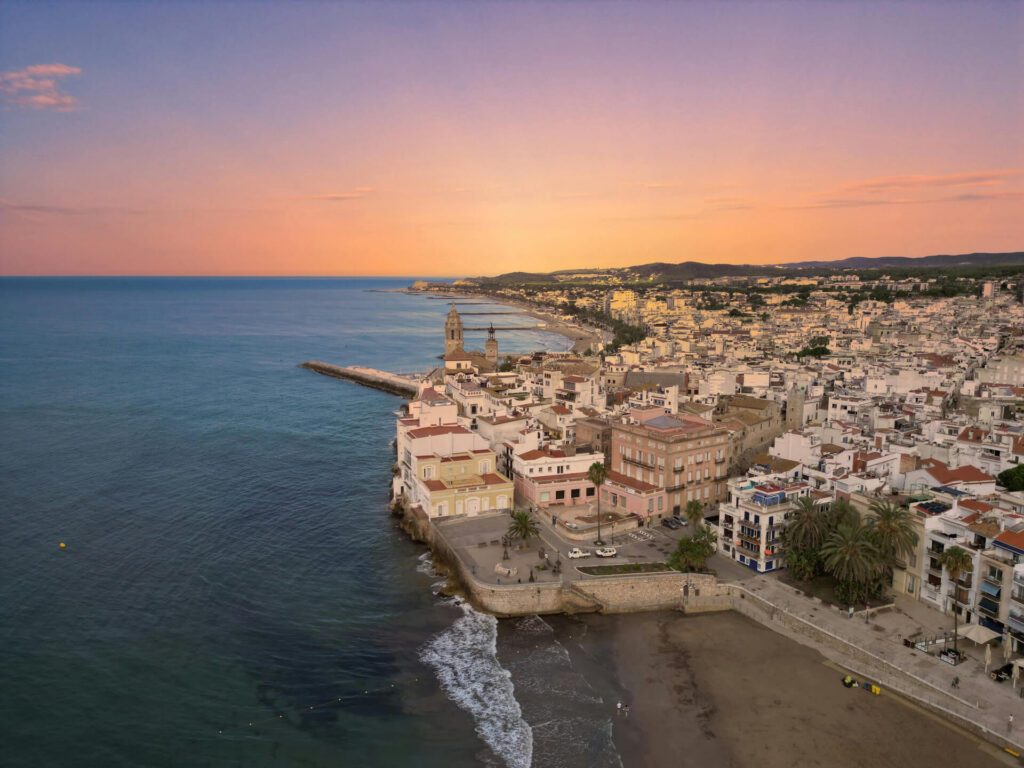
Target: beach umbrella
<point x="988" y="657"/>
<point x="1016" y="675"/>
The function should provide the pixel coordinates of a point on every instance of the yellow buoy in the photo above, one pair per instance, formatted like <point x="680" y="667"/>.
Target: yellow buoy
<point x="63" y="545"/>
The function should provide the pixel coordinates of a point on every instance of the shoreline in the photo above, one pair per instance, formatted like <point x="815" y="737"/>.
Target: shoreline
<point x="583" y="338"/>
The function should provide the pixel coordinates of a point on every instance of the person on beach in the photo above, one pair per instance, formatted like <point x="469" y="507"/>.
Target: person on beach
<point x="625" y="711"/>
<point x="1009" y="723"/>
<point x="618" y="707"/>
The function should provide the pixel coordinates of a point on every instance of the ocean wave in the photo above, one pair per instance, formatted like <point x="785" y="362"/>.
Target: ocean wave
<point x="425" y="565"/>
<point x="464" y="658"/>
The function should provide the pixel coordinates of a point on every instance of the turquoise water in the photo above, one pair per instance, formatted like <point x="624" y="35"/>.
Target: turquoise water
<point x="233" y="591"/>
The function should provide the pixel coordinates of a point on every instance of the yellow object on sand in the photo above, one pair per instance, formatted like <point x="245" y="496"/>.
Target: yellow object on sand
<point x="63" y="545"/>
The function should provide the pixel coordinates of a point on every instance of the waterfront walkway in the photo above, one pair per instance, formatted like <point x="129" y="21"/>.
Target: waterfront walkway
<point x="978" y="699"/>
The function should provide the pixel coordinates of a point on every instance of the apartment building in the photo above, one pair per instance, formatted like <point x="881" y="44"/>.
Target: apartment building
<point x="685" y="456"/>
<point x="751" y="522"/>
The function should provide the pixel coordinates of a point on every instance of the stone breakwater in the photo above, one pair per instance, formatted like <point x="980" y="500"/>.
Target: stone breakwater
<point x="369" y="377"/>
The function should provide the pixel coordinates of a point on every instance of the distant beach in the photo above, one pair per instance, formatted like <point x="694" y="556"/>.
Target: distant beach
<point x="702" y="692"/>
<point x="582" y="337"/>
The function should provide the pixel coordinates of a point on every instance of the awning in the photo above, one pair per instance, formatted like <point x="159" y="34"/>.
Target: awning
<point x="990" y="589"/>
<point x="989" y="605"/>
<point x="977" y="633"/>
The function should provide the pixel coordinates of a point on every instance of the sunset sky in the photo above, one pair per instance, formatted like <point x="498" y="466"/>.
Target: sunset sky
<point x="465" y="139"/>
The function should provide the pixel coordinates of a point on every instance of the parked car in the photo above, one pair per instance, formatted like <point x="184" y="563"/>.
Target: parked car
<point x="575" y="553"/>
<point x="606" y="552"/>
<point x="681" y="520"/>
<point x="668" y="522"/>
<point x="1002" y="674"/>
<point x="571" y="526"/>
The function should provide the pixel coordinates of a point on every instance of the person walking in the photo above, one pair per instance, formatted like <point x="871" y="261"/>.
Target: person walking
<point x="1009" y="723"/>
<point x="625" y="710"/>
<point x="618" y="707"/>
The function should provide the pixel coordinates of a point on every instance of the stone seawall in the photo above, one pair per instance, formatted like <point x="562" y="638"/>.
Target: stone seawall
<point x="370" y="377"/>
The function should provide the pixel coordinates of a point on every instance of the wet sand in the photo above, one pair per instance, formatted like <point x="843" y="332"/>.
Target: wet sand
<point x="721" y="690"/>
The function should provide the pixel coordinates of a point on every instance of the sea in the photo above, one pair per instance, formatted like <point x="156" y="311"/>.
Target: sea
<point x="232" y="590"/>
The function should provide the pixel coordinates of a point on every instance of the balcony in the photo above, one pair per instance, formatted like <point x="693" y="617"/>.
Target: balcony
<point x="674" y="488"/>
<point x="720" y="460"/>
<point x="1017" y="595"/>
<point x="1016" y="622"/>
<point x="995" y="582"/>
<point x="987" y="610"/>
<point x="638" y="463"/>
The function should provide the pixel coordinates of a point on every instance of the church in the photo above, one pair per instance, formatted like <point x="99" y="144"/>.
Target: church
<point x="456" y="358"/>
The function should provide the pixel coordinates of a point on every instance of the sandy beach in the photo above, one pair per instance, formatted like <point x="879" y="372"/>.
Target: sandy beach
<point x="582" y="337"/>
<point x="721" y="690"/>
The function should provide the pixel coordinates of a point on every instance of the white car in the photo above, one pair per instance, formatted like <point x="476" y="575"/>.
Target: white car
<point x="575" y="553"/>
<point x="606" y="552"/>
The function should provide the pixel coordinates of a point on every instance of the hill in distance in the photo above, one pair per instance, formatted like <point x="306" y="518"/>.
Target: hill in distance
<point x="690" y="270"/>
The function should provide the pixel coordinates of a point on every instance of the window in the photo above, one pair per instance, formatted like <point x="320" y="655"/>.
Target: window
<point x="590" y="492"/>
<point x="559" y="495"/>
<point x="485" y="467"/>
<point x="545" y="496"/>
<point x="661" y="503"/>
<point x="650" y="505"/>
<point x="428" y="473"/>
<point x="575" y="493"/>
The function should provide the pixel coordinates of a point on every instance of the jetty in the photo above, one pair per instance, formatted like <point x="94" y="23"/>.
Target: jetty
<point x="370" y="377"/>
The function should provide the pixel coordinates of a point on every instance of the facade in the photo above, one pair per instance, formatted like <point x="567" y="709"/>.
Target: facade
<point x="546" y="477"/>
<point x="633" y="497"/>
<point x="685" y="456"/>
<point x="459" y="484"/>
<point x="752" y="522"/>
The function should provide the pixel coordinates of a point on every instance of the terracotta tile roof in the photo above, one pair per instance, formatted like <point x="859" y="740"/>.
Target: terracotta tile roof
<point x="946" y="476"/>
<point x="568" y="476"/>
<point x="1014" y="539"/>
<point x="629" y="482"/>
<point x="973" y="435"/>
<point x="443" y="429"/>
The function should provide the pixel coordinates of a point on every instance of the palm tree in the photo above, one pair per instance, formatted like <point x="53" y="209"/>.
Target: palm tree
<point x="893" y="528"/>
<point x="842" y="513"/>
<point x="597" y="474"/>
<point x="695" y="513"/>
<point x="957" y="562"/>
<point x="851" y="558"/>
<point x="523" y="526"/>
<point x="692" y="552"/>
<point x="807" y="526"/>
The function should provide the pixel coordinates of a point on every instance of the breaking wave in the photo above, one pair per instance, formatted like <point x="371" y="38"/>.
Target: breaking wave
<point x="464" y="658"/>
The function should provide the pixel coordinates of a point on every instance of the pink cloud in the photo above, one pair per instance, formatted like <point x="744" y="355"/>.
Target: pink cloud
<point x="974" y="178"/>
<point x="38" y="87"/>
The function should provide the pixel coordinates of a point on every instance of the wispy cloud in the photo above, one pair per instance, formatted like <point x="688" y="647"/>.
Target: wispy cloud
<point x="971" y="179"/>
<point x="38" y="87"/>
<point x="357" y="193"/>
<point x="965" y="197"/>
<point x="11" y="206"/>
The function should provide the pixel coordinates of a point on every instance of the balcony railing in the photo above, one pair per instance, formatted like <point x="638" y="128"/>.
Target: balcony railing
<point x="638" y="463"/>
<point x="1017" y="595"/>
<point x="676" y="487"/>
<point x="720" y="460"/>
<point x="993" y="581"/>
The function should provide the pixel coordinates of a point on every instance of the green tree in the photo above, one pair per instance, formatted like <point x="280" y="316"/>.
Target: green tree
<point x="807" y="527"/>
<point x="597" y="474"/>
<point x="1012" y="479"/>
<point x="695" y="513"/>
<point x="851" y="558"/>
<point x="692" y="552"/>
<point x="957" y="562"/>
<point x="892" y="527"/>
<point x="523" y="526"/>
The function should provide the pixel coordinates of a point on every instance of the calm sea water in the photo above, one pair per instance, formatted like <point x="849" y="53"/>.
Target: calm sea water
<point x="233" y="592"/>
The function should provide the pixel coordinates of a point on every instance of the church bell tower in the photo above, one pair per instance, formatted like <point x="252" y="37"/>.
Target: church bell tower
<point x="452" y="332"/>
<point x="491" y="347"/>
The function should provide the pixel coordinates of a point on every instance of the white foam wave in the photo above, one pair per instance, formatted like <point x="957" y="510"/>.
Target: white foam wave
<point x="464" y="658"/>
<point x="533" y="625"/>
<point x="425" y="565"/>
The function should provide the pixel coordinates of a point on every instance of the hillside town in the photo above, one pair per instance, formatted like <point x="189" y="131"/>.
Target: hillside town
<point x="753" y="408"/>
